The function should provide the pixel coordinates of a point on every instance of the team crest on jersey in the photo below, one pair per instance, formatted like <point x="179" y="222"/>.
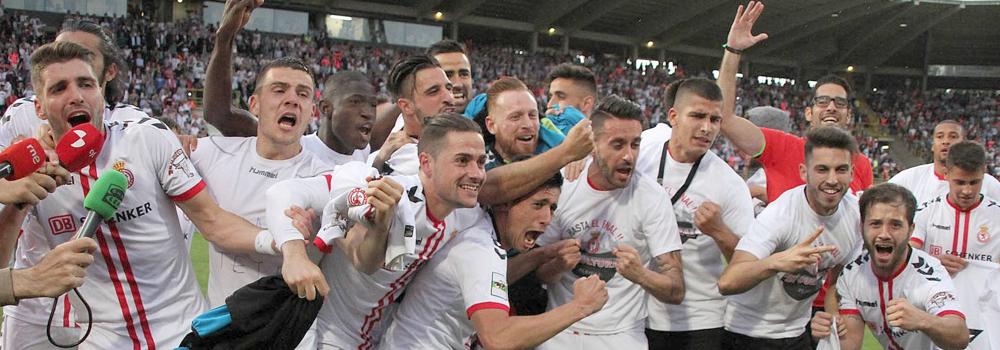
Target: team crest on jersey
<point x="119" y="166"/>
<point x="179" y="163"/>
<point x="939" y="299"/>
<point x="498" y="286"/>
<point x="984" y="234"/>
<point x="356" y="197"/>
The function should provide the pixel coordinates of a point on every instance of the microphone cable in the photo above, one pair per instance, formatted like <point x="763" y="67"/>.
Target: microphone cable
<point x="90" y="322"/>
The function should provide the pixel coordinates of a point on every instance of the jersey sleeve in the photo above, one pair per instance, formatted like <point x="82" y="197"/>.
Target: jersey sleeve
<point x="178" y="177"/>
<point x="992" y="187"/>
<point x="920" y="223"/>
<point x="482" y="276"/>
<point x="307" y="193"/>
<point x="766" y="234"/>
<point x="737" y="211"/>
<point x="940" y="297"/>
<point x="658" y="222"/>
<point x="777" y="144"/>
<point x="863" y="173"/>
<point x="847" y="303"/>
<point x="15" y="122"/>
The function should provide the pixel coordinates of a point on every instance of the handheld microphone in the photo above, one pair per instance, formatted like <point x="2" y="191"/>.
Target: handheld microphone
<point x="79" y="147"/>
<point x="21" y="159"/>
<point x="105" y="196"/>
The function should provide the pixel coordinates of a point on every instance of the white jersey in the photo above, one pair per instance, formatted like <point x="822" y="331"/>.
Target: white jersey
<point x="714" y="180"/>
<point x="921" y="280"/>
<point x="20" y="120"/>
<point x="404" y="161"/>
<point x="237" y="177"/>
<point x="926" y="184"/>
<point x="141" y="287"/>
<point x="779" y="307"/>
<point x="353" y="309"/>
<point x="467" y="275"/>
<point x="637" y="215"/>
<point x="942" y="228"/>
<point x="972" y="287"/>
<point x="324" y="154"/>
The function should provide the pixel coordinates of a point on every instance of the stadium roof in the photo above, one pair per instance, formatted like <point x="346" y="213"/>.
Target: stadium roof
<point x="892" y="37"/>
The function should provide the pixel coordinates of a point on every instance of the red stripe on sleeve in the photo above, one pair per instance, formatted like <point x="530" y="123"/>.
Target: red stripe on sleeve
<point x="487" y="305"/>
<point x="917" y="241"/>
<point x="850" y="312"/>
<point x="951" y="312"/>
<point x="189" y="193"/>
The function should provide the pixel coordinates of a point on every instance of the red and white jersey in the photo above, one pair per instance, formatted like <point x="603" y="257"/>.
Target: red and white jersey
<point x="921" y="280"/>
<point x="20" y="120"/>
<point x="469" y="274"/>
<point x="638" y="215"/>
<point x="779" y="307"/>
<point x="353" y="309"/>
<point x="715" y="181"/>
<point x="973" y="234"/>
<point x="237" y="177"/>
<point x="974" y="291"/>
<point x="141" y="287"/>
<point x="312" y="143"/>
<point x="926" y="184"/>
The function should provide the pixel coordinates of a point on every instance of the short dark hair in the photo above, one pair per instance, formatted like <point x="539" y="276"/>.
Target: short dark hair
<point x="829" y="137"/>
<point x="954" y="122"/>
<point x="966" y="155"/>
<point x="445" y="46"/>
<point x="436" y="129"/>
<point x="335" y="82"/>
<point x="832" y="79"/>
<point x="283" y="62"/>
<point x="888" y="193"/>
<point x="614" y="106"/>
<point x="56" y="52"/>
<point x="554" y="181"/>
<point x="574" y="72"/>
<point x="114" y="90"/>
<point x="402" y="74"/>
<point x="702" y="87"/>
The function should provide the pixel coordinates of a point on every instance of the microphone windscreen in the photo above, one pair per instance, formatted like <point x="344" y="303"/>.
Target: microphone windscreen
<point x="79" y="147"/>
<point x="21" y="159"/>
<point x="106" y="193"/>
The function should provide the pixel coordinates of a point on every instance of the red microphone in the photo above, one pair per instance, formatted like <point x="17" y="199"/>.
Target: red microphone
<point x="21" y="159"/>
<point x="79" y="147"/>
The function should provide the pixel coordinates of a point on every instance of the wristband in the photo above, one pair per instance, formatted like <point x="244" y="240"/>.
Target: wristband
<point x="264" y="244"/>
<point x="731" y="49"/>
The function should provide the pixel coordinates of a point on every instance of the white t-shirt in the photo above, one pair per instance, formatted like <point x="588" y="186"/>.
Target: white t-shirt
<point x="403" y="161"/>
<point x="779" y="307"/>
<point x="323" y="153"/>
<point x="141" y="287"/>
<point x="922" y="281"/>
<point x="237" y="177"/>
<point x="20" y="120"/>
<point x="703" y="306"/>
<point x="972" y="234"/>
<point x="356" y="303"/>
<point x="467" y="275"/>
<point x="759" y="178"/>
<point x="636" y="215"/>
<point x="926" y="184"/>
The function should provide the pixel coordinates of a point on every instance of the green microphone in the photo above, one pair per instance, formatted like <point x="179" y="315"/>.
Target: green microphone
<point x="102" y="202"/>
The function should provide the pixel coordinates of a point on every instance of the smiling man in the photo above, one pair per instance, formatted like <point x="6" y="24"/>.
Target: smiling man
<point x="513" y="121"/>
<point x="904" y="295"/>
<point x="805" y="234"/>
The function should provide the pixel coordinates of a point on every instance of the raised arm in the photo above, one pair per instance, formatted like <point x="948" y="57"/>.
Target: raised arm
<point x="746" y="271"/>
<point x="365" y="246"/>
<point x="219" y="112"/>
<point x="746" y="136"/>
<point x="509" y="182"/>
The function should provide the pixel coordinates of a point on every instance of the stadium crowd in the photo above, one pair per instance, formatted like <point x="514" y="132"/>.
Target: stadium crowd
<point x="359" y="197"/>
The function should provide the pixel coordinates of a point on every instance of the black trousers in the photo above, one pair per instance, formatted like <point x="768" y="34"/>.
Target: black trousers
<point x="734" y="341"/>
<point x="707" y="339"/>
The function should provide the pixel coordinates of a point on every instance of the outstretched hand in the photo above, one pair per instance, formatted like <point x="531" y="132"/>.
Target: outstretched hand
<point x="741" y="33"/>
